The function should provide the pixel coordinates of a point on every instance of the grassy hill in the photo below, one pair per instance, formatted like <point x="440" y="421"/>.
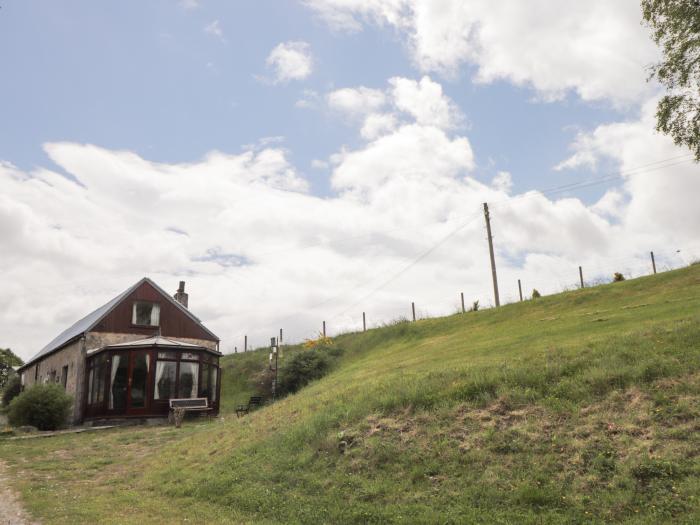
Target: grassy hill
<point x="579" y="407"/>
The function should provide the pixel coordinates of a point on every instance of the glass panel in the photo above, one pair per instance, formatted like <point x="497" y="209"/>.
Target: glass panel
<point x="190" y="355"/>
<point x="99" y="381"/>
<point x="91" y="375"/>
<point x="205" y="387"/>
<point x="167" y="355"/>
<point x="118" y="383"/>
<point x="189" y="374"/>
<point x="165" y="379"/>
<point x="139" y="380"/>
<point x="145" y="314"/>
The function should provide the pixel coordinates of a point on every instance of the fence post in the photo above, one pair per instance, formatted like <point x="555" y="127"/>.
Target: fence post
<point x="653" y="262"/>
<point x="580" y="274"/>
<point x="520" y="290"/>
<point x="364" y="322"/>
<point x="413" y="308"/>
<point x="462" y="296"/>
<point x="324" y="328"/>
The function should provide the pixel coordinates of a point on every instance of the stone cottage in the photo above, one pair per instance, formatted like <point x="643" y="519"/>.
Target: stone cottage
<point x="129" y="357"/>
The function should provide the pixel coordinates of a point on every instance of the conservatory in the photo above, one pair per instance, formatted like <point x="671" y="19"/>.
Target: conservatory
<point x="138" y="378"/>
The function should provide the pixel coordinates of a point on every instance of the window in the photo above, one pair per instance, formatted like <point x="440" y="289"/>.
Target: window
<point x="189" y="376"/>
<point x="145" y="314"/>
<point x="96" y="379"/>
<point x="165" y="379"/>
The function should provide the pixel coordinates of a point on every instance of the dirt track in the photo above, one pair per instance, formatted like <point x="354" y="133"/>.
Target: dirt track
<point x="11" y="510"/>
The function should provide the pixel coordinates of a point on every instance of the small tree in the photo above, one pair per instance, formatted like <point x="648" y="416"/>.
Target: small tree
<point x="8" y="359"/>
<point x="536" y="294"/>
<point x="45" y="407"/>
<point x="12" y="389"/>
<point x="675" y="26"/>
<point x="475" y="306"/>
<point x="618" y="277"/>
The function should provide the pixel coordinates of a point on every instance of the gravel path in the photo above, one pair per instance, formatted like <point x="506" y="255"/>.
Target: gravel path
<point x="11" y="510"/>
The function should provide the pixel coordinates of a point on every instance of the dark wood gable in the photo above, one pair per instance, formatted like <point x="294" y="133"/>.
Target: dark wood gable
<point x="173" y="321"/>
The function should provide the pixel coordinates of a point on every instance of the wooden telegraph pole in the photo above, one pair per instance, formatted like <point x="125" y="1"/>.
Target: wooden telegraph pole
<point x="653" y="262"/>
<point x="413" y="308"/>
<point x="493" y="259"/>
<point x="461" y="294"/>
<point x="324" y="328"/>
<point x="245" y="343"/>
<point x="520" y="290"/>
<point x="580" y="274"/>
<point x="364" y="322"/>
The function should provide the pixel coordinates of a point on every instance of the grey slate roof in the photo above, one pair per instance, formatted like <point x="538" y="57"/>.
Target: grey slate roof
<point x="88" y="322"/>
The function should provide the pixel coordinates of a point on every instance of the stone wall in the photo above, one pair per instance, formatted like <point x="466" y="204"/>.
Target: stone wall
<point x="50" y="368"/>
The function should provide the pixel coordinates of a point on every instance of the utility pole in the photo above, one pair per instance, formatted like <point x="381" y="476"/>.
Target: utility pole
<point x="461" y="294"/>
<point x="653" y="262"/>
<point x="324" y="328"/>
<point x="580" y="274"/>
<point x="520" y="290"/>
<point x="493" y="259"/>
<point x="245" y="343"/>
<point x="275" y="353"/>
<point x="364" y="322"/>
<point x="280" y="336"/>
<point x="413" y="308"/>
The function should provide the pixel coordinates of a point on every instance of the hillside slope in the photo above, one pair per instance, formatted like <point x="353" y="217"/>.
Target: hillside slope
<point x="579" y="407"/>
<point x="575" y="406"/>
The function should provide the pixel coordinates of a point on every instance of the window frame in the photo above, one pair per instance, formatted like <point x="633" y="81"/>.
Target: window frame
<point x="134" y="317"/>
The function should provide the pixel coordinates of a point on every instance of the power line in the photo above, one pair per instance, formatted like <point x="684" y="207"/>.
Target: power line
<point x="410" y="265"/>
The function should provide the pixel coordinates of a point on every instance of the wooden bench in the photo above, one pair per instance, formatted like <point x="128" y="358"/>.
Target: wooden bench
<point x="178" y="408"/>
<point x="254" y="401"/>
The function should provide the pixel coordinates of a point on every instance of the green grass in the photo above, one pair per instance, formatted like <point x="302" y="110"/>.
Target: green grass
<point x="579" y="407"/>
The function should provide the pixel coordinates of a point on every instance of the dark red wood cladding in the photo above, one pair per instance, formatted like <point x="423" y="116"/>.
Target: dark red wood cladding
<point x="173" y="321"/>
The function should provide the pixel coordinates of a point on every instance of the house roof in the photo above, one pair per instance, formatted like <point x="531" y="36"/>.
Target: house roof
<point x="157" y="341"/>
<point x="88" y="322"/>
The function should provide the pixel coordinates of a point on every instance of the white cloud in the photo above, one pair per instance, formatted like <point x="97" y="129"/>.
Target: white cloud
<point x="189" y="4"/>
<point x="244" y="232"/>
<point x="290" y="61"/>
<point x="425" y="101"/>
<point x="503" y="181"/>
<point x="214" y="29"/>
<point x="378" y="124"/>
<point x="597" y="49"/>
<point x="356" y="102"/>
<point x="403" y="101"/>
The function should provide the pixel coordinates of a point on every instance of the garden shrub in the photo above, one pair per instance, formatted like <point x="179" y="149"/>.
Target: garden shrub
<point x="306" y="366"/>
<point x="617" y="277"/>
<point x="12" y="390"/>
<point x="45" y="407"/>
<point x="536" y="294"/>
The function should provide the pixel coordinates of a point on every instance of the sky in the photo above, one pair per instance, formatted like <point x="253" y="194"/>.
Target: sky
<point x="300" y="161"/>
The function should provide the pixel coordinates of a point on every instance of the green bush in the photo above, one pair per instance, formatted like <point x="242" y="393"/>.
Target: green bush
<point x="304" y="367"/>
<point x="12" y="390"/>
<point x="45" y="407"/>
<point x="536" y="294"/>
<point x="617" y="277"/>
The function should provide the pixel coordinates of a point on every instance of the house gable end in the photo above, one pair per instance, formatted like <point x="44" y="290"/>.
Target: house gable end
<point x="175" y="320"/>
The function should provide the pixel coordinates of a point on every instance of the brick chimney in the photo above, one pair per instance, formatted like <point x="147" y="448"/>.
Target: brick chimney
<point x="180" y="296"/>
